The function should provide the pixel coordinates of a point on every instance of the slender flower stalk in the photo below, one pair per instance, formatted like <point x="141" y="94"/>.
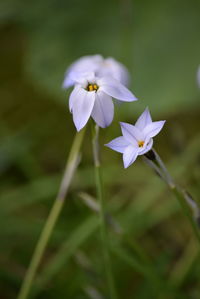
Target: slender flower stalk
<point x="187" y="203"/>
<point x="164" y="170"/>
<point x="198" y="76"/>
<point x="72" y="163"/>
<point x="104" y="236"/>
<point x="137" y="140"/>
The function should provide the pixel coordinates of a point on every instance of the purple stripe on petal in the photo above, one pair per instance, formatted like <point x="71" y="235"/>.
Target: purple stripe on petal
<point x="143" y="120"/>
<point x="118" y="144"/>
<point x="131" y="133"/>
<point x="129" y="156"/>
<point x="153" y="129"/>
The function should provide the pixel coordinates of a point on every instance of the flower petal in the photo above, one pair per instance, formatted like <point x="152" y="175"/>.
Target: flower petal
<point x="75" y="94"/>
<point x="143" y="120"/>
<point x="83" y="104"/>
<point x="118" y="144"/>
<point x="81" y="67"/>
<point x="147" y="147"/>
<point x="112" y="67"/>
<point x="83" y="78"/>
<point x="103" y="110"/>
<point x="129" y="156"/>
<point x="68" y="82"/>
<point x="115" y="89"/>
<point x="131" y="133"/>
<point x="153" y="128"/>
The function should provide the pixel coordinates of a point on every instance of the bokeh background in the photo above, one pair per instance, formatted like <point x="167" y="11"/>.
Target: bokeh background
<point x="154" y="252"/>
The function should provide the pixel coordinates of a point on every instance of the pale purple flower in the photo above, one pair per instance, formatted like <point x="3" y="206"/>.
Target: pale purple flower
<point x="137" y="139"/>
<point x="81" y="67"/>
<point x="117" y="70"/>
<point x="97" y="64"/>
<point x="92" y="96"/>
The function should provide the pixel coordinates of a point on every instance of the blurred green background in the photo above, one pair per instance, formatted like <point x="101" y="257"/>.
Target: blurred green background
<point x="154" y="253"/>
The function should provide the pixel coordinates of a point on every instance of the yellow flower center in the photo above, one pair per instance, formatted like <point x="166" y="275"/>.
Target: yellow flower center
<point x="92" y="87"/>
<point x="140" y="143"/>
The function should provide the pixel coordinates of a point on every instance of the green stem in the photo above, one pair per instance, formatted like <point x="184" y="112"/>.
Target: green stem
<point x="179" y="193"/>
<point x="41" y="245"/>
<point x="104" y="236"/>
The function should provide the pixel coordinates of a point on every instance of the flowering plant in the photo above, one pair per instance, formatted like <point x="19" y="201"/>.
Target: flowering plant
<point x="100" y="66"/>
<point x="96" y="81"/>
<point x="137" y="139"/>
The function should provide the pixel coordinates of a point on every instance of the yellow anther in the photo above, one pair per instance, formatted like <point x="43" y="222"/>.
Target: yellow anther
<point x="92" y="87"/>
<point x="140" y="143"/>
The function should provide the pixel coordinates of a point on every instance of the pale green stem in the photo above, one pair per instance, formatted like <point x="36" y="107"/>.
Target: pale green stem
<point x="104" y="235"/>
<point x="41" y="245"/>
<point x="184" y="199"/>
<point x="179" y="195"/>
<point x="164" y="170"/>
<point x="155" y="167"/>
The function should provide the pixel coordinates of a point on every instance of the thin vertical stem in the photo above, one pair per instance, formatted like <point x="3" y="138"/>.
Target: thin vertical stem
<point x="162" y="166"/>
<point x="104" y="236"/>
<point x="179" y="195"/>
<point x="41" y="245"/>
<point x="186" y="202"/>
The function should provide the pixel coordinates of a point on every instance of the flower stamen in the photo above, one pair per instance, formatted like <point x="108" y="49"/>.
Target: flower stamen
<point x="140" y="143"/>
<point x="92" y="87"/>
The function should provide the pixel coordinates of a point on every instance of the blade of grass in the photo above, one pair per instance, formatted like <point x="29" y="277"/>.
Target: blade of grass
<point x="71" y="166"/>
<point x="69" y="247"/>
<point x="147" y="272"/>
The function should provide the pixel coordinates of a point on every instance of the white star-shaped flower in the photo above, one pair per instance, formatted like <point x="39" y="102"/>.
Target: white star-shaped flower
<point x="92" y="96"/>
<point x="98" y="65"/>
<point x="137" y="139"/>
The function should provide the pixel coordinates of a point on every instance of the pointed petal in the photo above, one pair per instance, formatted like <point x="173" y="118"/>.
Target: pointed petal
<point x="103" y="110"/>
<point x="154" y="128"/>
<point x="118" y="144"/>
<point x="115" y="89"/>
<point x="131" y="133"/>
<point x="147" y="147"/>
<point x="82" y="108"/>
<point x="143" y="120"/>
<point x="74" y="96"/>
<point x="129" y="156"/>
